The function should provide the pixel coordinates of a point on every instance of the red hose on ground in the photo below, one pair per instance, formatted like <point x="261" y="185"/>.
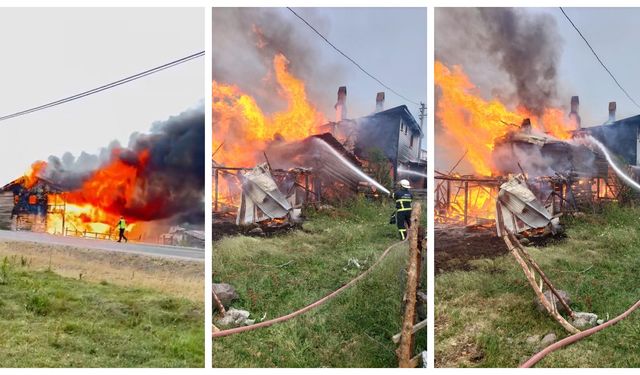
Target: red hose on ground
<point x="303" y="310"/>
<point x="578" y="336"/>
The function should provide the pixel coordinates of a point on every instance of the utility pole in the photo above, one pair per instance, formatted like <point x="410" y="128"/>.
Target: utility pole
<point x="421" y="116"/>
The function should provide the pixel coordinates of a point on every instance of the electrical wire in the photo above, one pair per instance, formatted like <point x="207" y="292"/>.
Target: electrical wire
<point x="598" y="58"/>
<point x="104" y="87"/>
<point x="350" y="59"/>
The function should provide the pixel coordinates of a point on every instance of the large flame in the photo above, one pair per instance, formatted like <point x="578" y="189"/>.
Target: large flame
<point x="97" y="205"/>
<point x="476" y="123"/>
<point x="242" y="130"/>
<point x="240" y="127"/>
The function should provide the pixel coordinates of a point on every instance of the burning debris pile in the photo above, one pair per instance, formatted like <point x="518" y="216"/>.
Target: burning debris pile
<point x="565" y="173"/>
<point x="155" y="183"/>
<point x="265" y="167"/>
<point x="521" y="129"/>
<point x="266" y="124"/>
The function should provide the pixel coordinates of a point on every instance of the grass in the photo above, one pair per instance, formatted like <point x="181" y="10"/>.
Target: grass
<point x="484" y="316"/>
<point x="278" y="275"/>
<point x="52" y="321"/>
<point x="178" y="278"/>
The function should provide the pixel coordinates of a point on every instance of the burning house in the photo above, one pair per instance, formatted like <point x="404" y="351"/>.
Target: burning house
<point x="31" y="201"/>
<point x="156" y="182"/>
<point x="621" y="137"/>
<point x="266" y="167"/>
<point x="550" y="148"/>
<point x="393" y="133"/>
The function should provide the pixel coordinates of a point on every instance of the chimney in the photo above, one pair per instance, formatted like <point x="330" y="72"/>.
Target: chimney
<point x="380" y="102"/>
<point x="612" y="113"/>
<point x="573" y="115"/>
<point x="525" y="127"/>
<point x="341" y="105"/>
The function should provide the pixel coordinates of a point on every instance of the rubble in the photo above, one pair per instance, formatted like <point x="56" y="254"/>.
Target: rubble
<point x="261" y="198"/>
<point x="520" y="209"/>
<point x="235" y="317"/>
<point x="584" y="320"/>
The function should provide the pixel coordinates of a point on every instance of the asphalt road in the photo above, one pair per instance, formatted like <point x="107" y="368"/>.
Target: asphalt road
<point x="184" y="253"/>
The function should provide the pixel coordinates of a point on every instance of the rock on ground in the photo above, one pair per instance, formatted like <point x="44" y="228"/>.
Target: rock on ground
<point x="532" y="340"/>
<point x="548" y="339"/>
<point x="553" y="299"/>
<point x="584" y="320"/>
<point x="226" y="293"/>
<point x="235" y="317"/>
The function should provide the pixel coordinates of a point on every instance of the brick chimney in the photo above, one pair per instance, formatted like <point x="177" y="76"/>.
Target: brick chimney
<point x="341" y="104"/>
<point x="380" y="102"/>
<point x="573" y="115"/>
<point x="612" y="113"/>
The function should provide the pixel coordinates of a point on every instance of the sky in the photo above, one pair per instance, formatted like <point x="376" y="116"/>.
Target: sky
<point x="613" y="33"/>
<point x="51" y="53"/>
<point x="390" y="43"/>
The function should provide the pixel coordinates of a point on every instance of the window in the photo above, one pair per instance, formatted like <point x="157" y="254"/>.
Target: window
<point x="411" y="142"/>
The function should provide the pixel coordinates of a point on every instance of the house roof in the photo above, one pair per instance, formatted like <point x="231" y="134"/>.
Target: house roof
<point x="402" y="112"/>
<point x="629" y="121"/>
<point x="20" y="181"/>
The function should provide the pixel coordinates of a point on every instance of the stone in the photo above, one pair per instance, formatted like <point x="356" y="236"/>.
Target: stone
<point x="553" y="299"/>
<point x="234" y="317"/>
<point x="256" y="232"/>
<point x="600" y="321"/>
<point x="533" y="340"/>
<point x="525" y="241"/>
<point x="548" y="339"/>
<point x="226" y="293"/>
<point x="584" y="320"/>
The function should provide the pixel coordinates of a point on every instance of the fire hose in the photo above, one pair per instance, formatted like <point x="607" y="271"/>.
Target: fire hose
<point x="576" y="337"/>
<point x="267" y="323"/>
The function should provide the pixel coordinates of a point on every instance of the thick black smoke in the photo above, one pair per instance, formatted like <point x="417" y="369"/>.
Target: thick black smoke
<point x="514" y="51"/>
<point x="169" y="186"/>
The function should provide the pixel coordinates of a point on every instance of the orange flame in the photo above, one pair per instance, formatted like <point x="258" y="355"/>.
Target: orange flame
<point x="241" y="129"/>
<point x="31" y="177"/>
<point x="476" y="123"/>
<point x="98" y="204"/>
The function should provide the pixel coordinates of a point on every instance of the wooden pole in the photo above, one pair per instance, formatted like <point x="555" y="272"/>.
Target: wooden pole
<point x="466" y="201"/>
<point x="218" y="303"/>
<point x="405" y="349"/>
<point x="215" y="184"/>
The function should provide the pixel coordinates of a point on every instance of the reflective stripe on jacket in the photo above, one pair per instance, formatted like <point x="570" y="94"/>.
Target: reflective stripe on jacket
<point x="403" y="198"/>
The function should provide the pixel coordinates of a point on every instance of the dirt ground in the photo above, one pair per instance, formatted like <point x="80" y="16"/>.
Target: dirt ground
<point x="175" y="277"/>
<point x="456" y="246"/>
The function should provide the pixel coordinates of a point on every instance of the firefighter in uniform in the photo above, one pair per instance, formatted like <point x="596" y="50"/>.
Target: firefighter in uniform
<point x="403" y="199"/>
<point x="122" y="225"/>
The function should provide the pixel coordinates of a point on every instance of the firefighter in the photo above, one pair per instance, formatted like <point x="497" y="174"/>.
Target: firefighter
<point x="403" y="199"/>
<point x="122" y="225"/>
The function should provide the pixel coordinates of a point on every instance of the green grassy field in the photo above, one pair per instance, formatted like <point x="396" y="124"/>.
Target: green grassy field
<point x="275" y="276"/>
<point x="484" y="316"/>
<point x="52" y="321"/>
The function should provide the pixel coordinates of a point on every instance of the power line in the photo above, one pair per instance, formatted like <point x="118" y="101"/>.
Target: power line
<point x="105" y="87"/>
<point x="350" y="59"/>
<point x="598" y="58"/>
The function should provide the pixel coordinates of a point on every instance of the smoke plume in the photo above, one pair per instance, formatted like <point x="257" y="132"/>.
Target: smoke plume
<point x="514" y="52"/>
<point x="169" y="171"/>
